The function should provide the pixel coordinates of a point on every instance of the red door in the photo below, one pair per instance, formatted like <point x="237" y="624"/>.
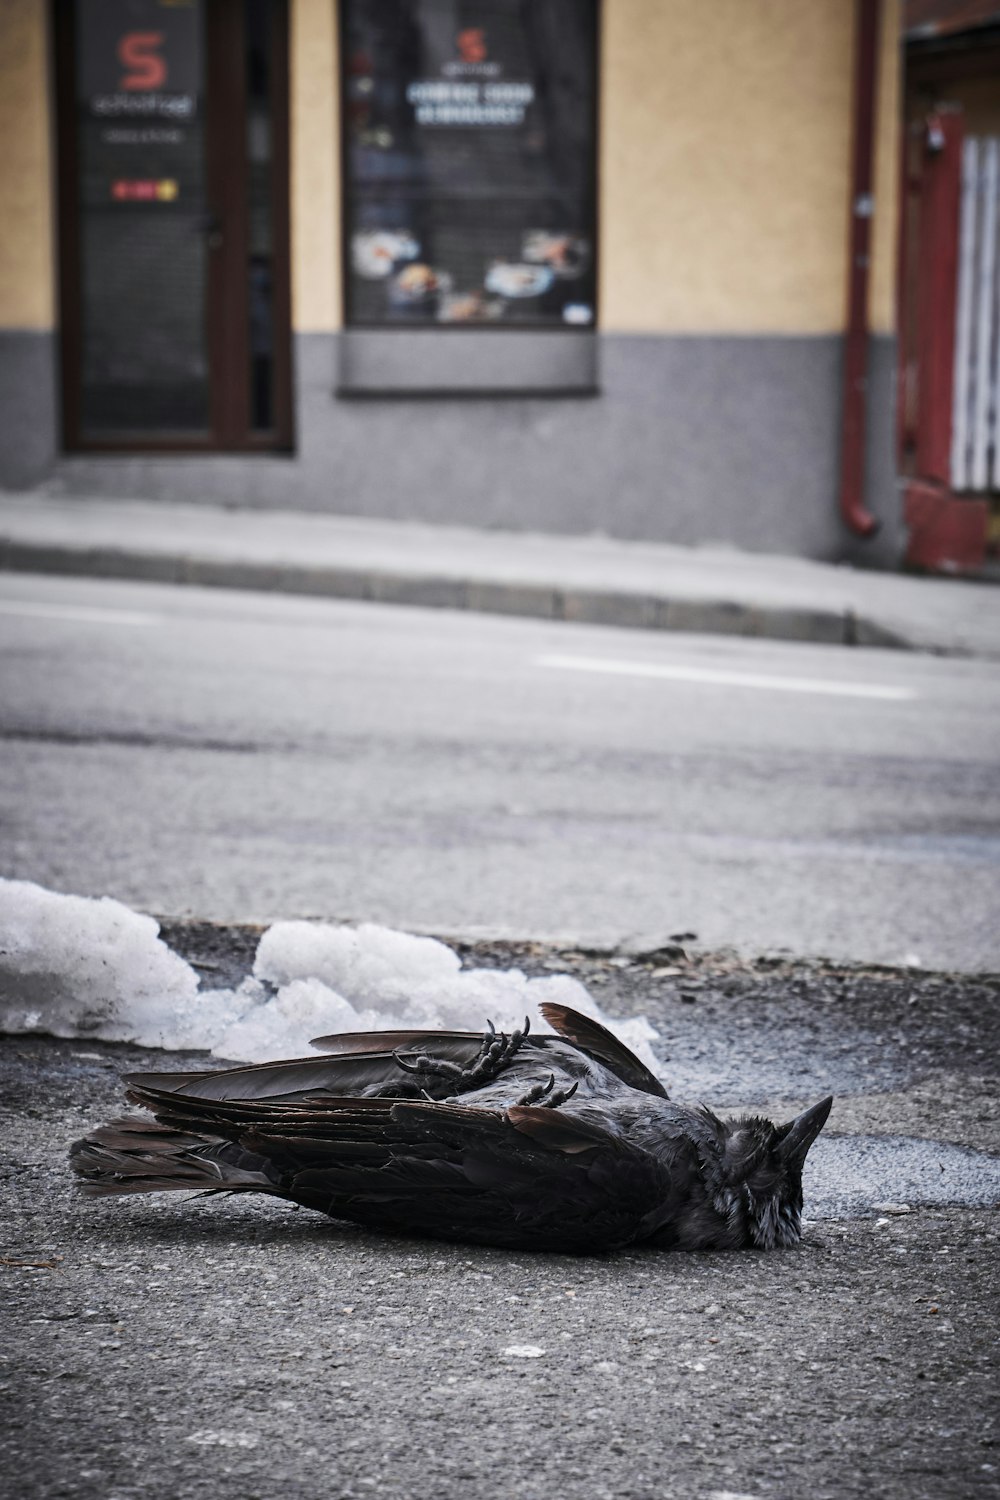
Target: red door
<point x="948" y="530"/>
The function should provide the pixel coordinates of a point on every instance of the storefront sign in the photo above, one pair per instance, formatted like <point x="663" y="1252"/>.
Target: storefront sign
<point x="140" y="197"/>
<point x="138" y="59"/>
<point x="138" y="71"/>
<point x="469" y="103"/>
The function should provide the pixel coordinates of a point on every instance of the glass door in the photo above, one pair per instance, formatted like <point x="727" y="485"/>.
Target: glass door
<point x="174" y="224"/>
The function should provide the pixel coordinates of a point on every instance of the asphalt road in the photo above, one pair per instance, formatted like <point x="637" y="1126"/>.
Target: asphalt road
<point x="247" y="757"/>
<point x="236" y="1349"/>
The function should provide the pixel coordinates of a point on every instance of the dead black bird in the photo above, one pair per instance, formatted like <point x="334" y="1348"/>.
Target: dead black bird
<point x="555" y="1142"/>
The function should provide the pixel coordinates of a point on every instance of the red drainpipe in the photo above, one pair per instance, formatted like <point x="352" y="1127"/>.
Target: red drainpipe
<point x="855" y="513"/>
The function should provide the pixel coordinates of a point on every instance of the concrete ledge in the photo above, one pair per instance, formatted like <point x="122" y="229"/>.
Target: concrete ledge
<point x="591" y="606"/>
<point x="466" y="362"/>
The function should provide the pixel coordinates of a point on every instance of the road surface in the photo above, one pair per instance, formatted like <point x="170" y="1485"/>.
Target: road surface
<point x="245" y="757"/>
<point x="231" y="1348"/>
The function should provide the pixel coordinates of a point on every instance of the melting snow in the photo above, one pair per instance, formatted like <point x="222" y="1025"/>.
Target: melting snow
<point x="77" y="967"/>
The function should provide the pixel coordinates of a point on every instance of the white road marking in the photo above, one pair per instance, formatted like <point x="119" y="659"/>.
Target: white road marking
<point x="715" y="677"/>
<point x="80" y="613"/>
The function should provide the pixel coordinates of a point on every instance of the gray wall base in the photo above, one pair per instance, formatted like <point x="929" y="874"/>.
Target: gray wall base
<point x="436" y="361"/>
<point x="29" y="412"/>
<point x="692" y="439"/>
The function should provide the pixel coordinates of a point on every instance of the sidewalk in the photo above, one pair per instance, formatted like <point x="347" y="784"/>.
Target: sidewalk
<point x="594" y="579"/>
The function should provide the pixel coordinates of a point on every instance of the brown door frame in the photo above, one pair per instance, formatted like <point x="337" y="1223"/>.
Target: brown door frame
<point x="227" y="291"/>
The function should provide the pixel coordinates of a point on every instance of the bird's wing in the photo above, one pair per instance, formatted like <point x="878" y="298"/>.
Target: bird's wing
<point x="524" y="1177"/>
<point x="343" y="1042"/>
<point x="595" y="1039"/>
<point x="574" y="1027"/>
<point x="349" y="1073"/>
<point x="361" y="1062"/>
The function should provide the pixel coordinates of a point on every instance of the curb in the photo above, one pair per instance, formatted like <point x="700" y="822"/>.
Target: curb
<point x="633" y="611"/>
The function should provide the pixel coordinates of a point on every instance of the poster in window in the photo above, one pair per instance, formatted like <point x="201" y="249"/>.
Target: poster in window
<point x="469" y="162"/>
<point x="141" y="199"/>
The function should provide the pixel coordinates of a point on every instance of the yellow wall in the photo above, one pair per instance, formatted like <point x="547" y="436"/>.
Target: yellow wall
<point x="725" y="161"/>
<point x="27" y="296"/>
<point x="885" y="239"/>
<point x="315" y="167"/>
<point x="725" y="165"/>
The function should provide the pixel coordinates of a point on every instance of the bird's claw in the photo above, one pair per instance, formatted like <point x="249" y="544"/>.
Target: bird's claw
<point x="546" y="1095"/>
<point x="434" y="1067"/>
<point x="496" y="1052"/>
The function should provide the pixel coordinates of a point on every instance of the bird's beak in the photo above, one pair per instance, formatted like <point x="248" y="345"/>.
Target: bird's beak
<point x="803" y="1130"/>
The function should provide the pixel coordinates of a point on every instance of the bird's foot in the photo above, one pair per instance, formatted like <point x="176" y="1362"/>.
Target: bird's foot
<point x="449" y="1079"/>
<point x="546" y="1095"/>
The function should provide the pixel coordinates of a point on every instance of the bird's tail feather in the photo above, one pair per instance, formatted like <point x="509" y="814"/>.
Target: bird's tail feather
<point x="134" y="1155"/>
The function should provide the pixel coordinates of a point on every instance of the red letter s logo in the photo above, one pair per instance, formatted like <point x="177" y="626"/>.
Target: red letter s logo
<point x="137" y="52"/>
<point x="471" y="44"/>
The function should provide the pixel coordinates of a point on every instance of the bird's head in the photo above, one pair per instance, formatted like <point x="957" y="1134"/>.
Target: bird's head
<point x="760" y="1191"/>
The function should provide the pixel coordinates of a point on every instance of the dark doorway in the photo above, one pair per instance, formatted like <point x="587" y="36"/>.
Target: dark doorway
<point x="173" y="137"/>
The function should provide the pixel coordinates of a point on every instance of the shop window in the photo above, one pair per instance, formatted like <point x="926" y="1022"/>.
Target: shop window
<point x="469" y="169"/>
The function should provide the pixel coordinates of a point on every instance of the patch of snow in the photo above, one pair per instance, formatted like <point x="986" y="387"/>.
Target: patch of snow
<point x="363" y="962"/>
<point x="283" y="1024"/>
<point x="78" y="967"/>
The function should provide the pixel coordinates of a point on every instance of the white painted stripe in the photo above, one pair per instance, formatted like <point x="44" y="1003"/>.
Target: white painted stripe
<point x="80" y="613"/>
<point x="715" y="677"/>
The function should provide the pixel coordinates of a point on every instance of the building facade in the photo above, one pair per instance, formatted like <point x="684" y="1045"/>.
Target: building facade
<point x="571" y="266"/>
